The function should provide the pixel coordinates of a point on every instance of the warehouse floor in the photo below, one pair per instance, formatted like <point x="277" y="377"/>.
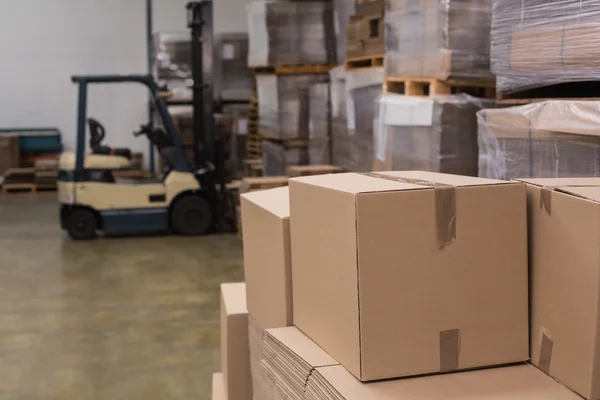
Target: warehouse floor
<point x="127" y="318"/>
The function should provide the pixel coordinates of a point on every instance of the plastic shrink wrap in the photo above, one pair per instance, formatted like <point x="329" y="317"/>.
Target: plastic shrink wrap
<point x="537" y="43"/>
<point x="440" y="39"/>
<point x="172" y="63"/>
<point x="437" y="134"/>
<point x="319" y="145"/>
<point x="232" y="77"/>
<point x="352" y="145"/>
<point x="290" y="33"/>
<point x="342" y="10"/>
<point x="283" y="104"/>
<point x="549" y="139"/>
<point x="277" y="156"/>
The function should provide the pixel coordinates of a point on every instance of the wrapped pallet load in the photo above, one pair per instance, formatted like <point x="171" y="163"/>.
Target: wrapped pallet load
<point x="429" y="134"/>
<point x="283" y="114"/>
<point x="232" y="76"/>
<point x="540" y="43"/>
<point x="290" y="33"/>
<point x="550" y="139"/>
<point x="440" y="39"/>
<point x="353" y="148"/>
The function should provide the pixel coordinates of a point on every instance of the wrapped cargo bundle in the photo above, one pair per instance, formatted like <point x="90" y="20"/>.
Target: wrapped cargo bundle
<point x="172" y="62"/>
<point x="440" y="39"/>
<point x="283" y="104"/>
<point x="232" y="76"/>
<point x="434" y="134"/>
<point x="536" y="43"/>
<point x="550" y="139"/>
<point x="277" y="156"/>
<point x="319" y="129"/>
<point x="290" y="33"/>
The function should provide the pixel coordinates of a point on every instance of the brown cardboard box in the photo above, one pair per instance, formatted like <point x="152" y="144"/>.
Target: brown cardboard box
<point x="424" y="272"/>
<point x="521" y="382"/>
<point x="564" y="237"/>
<point x="9" y="152"/>
<point x="365" y="36"/>
<point x="267" y="260"/>
<point x="307" y="170"/>
<point x="218" y="387"/>
<point x="235" y="354"/>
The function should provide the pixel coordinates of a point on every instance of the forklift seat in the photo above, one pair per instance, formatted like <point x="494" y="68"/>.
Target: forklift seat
<point x="97" y="133"/>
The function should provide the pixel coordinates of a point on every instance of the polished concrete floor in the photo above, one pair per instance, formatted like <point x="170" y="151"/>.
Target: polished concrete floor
<point x="127" y="318"/>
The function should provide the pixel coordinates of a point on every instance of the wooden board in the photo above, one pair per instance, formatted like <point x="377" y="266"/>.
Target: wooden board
<point x="375" y="61"/>
<point x="295" y="69"/>
<point x="427" y="87"/>
<point x="518" y="102"/>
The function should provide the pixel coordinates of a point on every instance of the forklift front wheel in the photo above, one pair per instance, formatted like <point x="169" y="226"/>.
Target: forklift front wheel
<point x="81" y="224"/>
<point x="191" y="215"/>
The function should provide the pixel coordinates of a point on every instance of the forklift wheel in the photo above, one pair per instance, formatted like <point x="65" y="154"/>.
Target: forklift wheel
<point x="81" y="225"/>
<point x="191" y="216"/>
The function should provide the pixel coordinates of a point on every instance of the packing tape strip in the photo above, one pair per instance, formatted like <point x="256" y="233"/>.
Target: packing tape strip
<point x="546" y="198"/>
<point x="445" y="206"/>
<point x="546" y="353"/>
<point x="449" y="350"/>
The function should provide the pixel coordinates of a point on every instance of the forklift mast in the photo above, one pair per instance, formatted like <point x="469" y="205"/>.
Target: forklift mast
<point x="209" y="145"/>
<point x="201" y="25"/>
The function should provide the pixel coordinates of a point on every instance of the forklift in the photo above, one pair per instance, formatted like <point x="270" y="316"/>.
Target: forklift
<point x="190" y="197"/>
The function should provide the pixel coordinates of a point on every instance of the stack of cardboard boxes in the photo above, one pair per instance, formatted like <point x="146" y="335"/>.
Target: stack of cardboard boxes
<point x="365" y="31"/>
<point x="401" y="274"/>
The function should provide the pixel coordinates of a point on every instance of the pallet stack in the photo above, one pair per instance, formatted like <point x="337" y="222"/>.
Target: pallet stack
<point x="543" y="55"/>
<point x="365" y="40"/>
<point x="448" y="322"/>
<point x="292" y="46"/>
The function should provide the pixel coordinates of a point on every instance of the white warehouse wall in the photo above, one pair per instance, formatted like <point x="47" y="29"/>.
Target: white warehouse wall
<point x="45" y="42"/>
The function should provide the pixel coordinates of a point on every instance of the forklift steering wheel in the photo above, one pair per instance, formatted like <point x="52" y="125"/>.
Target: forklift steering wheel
<point x="144" y="130"/>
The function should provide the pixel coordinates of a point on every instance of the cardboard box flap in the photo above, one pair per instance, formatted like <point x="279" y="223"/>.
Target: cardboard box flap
<point x="357" y="183"/>
<point x="586" y="192"/>
<point x="301" y="345"/>
<point x="234" y="298"/>
<point x="523" y="382"/>
<point x="276" y="201"/>
<point x="443" y="179"/>
<point x="554" y="182"/>
<point x="218" y="387"/>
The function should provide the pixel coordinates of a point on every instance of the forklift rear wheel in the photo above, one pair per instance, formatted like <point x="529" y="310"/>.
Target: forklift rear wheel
<point x="82" y="225"/>
<point x="191" y="216"/>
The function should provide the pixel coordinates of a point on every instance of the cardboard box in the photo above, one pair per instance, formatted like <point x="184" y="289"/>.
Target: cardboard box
<point x="267" y="259"/>
<point x="564" y="233"/>
<point x="373" y="7"/>
<point x="523" y="382"/>
<point x="308" y="170"/>
<point x="218" y="387"/>
<point x="10" y="155"/>
<point x="365" y="36"/>
<point x="425" y="272"/>
<point x="235" y="353"/>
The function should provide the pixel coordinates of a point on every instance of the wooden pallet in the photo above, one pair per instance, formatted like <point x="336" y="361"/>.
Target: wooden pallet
<point x="288" y="143"/>
<point x="375" y="61"/>
<point x="426" y="87"/>
<point x="295" y="69"/>
<point x="19" y="188"/>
